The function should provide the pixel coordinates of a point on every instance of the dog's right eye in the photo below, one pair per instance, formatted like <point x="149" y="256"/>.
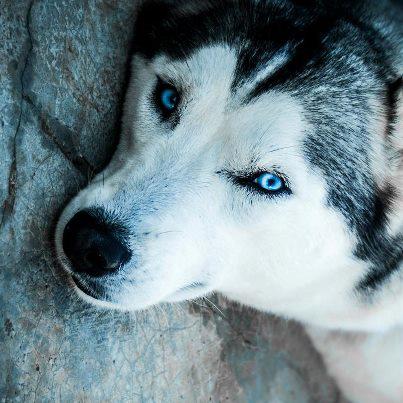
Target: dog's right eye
<point x="166" y="98"/>
<point x="268" y="183"/>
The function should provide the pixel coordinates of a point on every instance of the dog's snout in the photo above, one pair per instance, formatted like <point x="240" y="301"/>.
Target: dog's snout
<point x="93" y="245"/>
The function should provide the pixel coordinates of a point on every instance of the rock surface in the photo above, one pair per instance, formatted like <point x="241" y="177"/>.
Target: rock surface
<point x="62" y="69"/>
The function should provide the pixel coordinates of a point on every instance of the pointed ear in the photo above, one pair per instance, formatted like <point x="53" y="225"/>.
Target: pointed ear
<point x="163" y="26"/>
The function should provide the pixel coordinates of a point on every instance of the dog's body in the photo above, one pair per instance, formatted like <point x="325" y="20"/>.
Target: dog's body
<point x="261" y="156"/>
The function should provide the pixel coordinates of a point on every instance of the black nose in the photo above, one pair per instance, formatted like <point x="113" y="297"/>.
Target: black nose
<point x="93" y="245"/>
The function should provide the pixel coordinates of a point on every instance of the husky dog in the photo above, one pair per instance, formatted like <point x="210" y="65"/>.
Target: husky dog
<point x="260" y="157"/>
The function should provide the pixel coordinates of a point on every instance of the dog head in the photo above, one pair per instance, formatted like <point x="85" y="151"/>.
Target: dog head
<point x="259" y="157"/>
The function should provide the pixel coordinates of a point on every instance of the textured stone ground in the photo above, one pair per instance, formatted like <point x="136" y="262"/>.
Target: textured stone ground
<point x="62" y="65"/>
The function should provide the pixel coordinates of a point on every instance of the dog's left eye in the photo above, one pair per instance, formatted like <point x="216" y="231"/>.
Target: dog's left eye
<point x="167" y="98"/>
<point x="270" y="182"/>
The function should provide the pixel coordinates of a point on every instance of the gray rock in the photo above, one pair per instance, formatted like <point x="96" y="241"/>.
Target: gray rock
<point x="62" y="67"/>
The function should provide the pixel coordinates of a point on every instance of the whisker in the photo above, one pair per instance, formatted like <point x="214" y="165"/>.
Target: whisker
<point x="215" y="307"/>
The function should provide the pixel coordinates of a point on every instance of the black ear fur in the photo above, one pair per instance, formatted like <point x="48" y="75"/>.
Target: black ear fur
<point x="157" y="19"/>
<point x="150" y="21"/>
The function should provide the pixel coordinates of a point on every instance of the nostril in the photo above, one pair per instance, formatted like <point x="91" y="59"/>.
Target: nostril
<point x="94" y="245"/>
<point x="94" y="258"/>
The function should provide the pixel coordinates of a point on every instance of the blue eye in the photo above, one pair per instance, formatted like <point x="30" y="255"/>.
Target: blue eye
<point x="166" y="99"/>
<point x="270" y="182"/>
<point x="169" y="98"/>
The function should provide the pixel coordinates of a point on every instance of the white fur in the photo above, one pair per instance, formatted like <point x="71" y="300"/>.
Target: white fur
<point x="368" y="367"/>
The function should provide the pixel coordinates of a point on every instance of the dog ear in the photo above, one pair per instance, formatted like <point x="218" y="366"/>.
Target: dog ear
<point x="160" y="24"/>
<point x="151" y="18"/>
